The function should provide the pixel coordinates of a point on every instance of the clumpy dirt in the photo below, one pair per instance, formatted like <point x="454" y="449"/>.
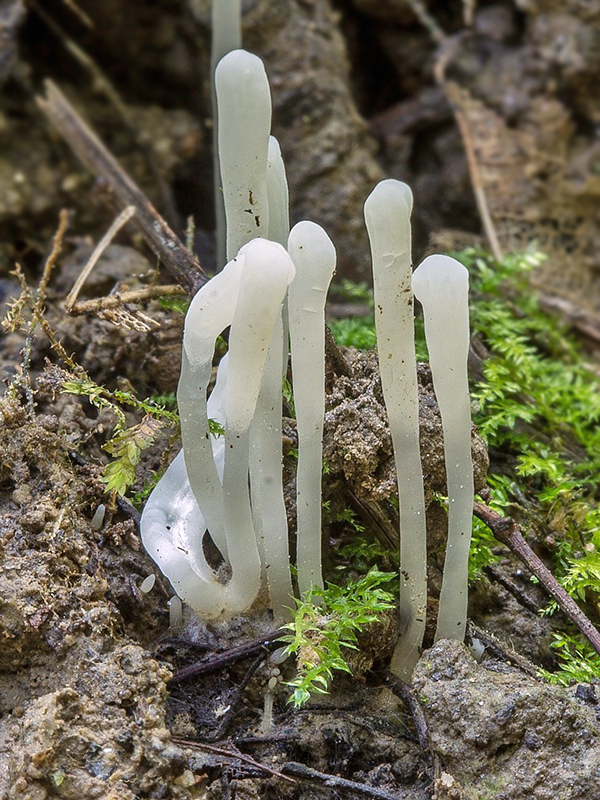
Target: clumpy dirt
<point x="504" y="735"/>
<point x="88" y="705"/>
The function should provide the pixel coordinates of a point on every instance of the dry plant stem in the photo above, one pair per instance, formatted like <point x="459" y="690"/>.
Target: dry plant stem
<point x="37" y="304"/>
<point x="266" y="643"/>
<point x="427" y="21"/>
<point x="183" y="265"/>
<point x="335" y="782"/>
<point x="508" y="532"/>
<point x="452" y="92"/>
<point x="407" y="695"/>
<point x="110" y="234"/>
<point x="38" y="313"/>
<point x="101" y="83"/>
<point x="54" y="254"/>
<point x="79" y="12"/>
<point x="226" y="753"/>
<point x="499" y="651"/>
<point x="122" y="298"/>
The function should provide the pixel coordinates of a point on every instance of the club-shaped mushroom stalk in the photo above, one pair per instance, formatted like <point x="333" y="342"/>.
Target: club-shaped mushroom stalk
<point x="210" y="312"/>
<point x="244" y="119"/>
<point x="266" y="476"/>
<point x="441" y="284"/>
<point x="266" y="275"/>
<point x="387" y="216"/>
<point x="314" y="256"/>
<point x="247" y="295"/>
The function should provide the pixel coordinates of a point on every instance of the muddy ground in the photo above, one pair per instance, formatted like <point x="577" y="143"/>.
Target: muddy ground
<point x="88" y="704"/>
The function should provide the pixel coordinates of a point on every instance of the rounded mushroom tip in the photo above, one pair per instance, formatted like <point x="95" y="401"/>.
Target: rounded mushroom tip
<point x="390" y="192"/>
<point x="437" y="276"/>
<point x="269" y="257"/>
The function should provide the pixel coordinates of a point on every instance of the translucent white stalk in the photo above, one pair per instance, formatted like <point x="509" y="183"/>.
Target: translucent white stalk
<point x="278" y="195"/>
<point x="226" y="35"/>
<point x="441" y="285"/>
<point x="173" y="524"/>
<point x="210" y="312"/>
<point x="244" y="122"/>
<point x="172" y="527"/>
<point x="267" y="273"/>
<point x="266" y="481"/>
<point x="279" y="223"/>
<point x="314" y="255"/>
<point x="387" y="216"/>
<point x="266" y="476"/>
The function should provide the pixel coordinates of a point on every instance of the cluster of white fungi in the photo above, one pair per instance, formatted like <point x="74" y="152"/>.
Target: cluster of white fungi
<point x="271" y="295"/>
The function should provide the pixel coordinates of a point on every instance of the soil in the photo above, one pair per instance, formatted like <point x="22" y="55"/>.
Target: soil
<point x="89" y="707"/>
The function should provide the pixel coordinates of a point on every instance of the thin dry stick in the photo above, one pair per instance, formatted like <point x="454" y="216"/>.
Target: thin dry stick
<point x="469" y="12"/>
<point x="87" y="21"/>
<point x="508" y="532"/>
<point x="226" y="753"/>
<point x="453" y="92"/>
<point x="427" y="21"/>
<point x="38" y="315"/>
<point x="448" y="47"/>
<point x="408" y="696"/>
<point x="37" y="304"/>
<point x="110" y="234"/>
<point x="102" y="83"/>
<point x="335" y="782"/>
<point x="183" y="265"/>
<point x="54" y="254"/>
<point x="235" y="654"/>
<point x="119" y="299"/>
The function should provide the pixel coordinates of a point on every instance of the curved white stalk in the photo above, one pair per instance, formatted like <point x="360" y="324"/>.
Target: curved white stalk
<point x="266" y="481"/>
<point x="266" y="477"/>
<point x="267" y="272"/>
<point x="244" y="118"/>
<point x="387" y="216"/>
<point x="172" y="526"/>
<point x="210" y="312"/>
<point x="173" y="523"/>
<point x="313" y="253"/>
<point x="441" y="284"/>
<point x="278" y="195"/>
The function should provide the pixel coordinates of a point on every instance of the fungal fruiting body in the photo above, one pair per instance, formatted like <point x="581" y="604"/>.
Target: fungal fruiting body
<point x="387" y="217"/>
<point x="441" y="284"/>
<point x="313" y="253"/>
<point x="190" y="497"/>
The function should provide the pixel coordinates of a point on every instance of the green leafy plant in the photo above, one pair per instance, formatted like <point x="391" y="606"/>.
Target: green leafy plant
<point x="326" y="621"/>
<point x="579" y="662"/>
<point x="538" y="404"/>
<point x="128" y="441"/>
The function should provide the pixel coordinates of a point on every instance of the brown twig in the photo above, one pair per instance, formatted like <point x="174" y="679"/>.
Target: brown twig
<point x="57" y="243"/>
<point x="335" y="782"/>
<point x="220" y="660"/>
<point x="235" y="754"/>
<point x="235" y="698"/>
<point x="102" y="84"/>
<point x="498" y="650"/>
<point x="453" y="94"/>
<point x="183" y="265"/>
<point x="110" y="234"/>
<point x="87" y="21"/>
<point x="512" y="588"/>
<point x="407" y="695"/>
<point x="508" y="532"/>
<point x="119" y="299"/>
